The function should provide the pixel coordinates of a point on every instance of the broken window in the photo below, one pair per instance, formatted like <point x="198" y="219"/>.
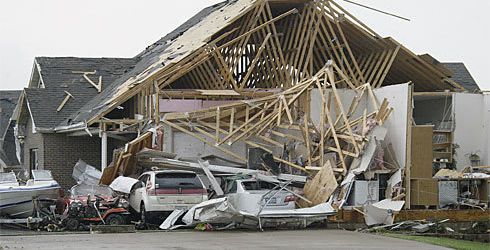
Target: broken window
<point x="257" y="185"/>
<point x="33" y="160"/>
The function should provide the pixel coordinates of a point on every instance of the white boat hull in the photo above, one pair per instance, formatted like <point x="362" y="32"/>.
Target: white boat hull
<point x="17" y="201"/>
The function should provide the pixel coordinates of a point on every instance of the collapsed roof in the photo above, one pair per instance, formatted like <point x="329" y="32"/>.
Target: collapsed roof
<point x="298" y="37"/>
<point x="236" y="45"/>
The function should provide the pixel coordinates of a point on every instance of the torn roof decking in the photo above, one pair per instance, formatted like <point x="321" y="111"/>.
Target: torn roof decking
<point x="62" y="75"/>
<point x="149" y="59"/>
<point x="162" y="59"/>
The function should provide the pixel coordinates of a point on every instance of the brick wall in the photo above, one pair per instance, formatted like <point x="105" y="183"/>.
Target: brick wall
<point x="61" y="152"/>
<point x="33" y="141"/>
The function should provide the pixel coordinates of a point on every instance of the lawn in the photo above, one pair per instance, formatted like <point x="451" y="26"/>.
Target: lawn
<point x="445" y="242"/>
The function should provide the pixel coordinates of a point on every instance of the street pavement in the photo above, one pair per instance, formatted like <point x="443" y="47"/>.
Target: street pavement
<point x="190" y="239"/>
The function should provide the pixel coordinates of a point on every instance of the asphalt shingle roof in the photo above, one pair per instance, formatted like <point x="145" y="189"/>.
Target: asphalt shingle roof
<point x="145" y="59"/>
<point x="60" y="74"/>
<point x="462" y="76"/>
<point x="8" y="101"/>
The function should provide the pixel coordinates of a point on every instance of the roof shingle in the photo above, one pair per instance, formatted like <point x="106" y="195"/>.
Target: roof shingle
<point x="60" y="74"/>
<point x="462" y="76"/>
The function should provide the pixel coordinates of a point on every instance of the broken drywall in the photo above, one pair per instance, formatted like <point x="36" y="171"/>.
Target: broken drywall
<point x="186" y="146"/>
<point x="396" y="124"/>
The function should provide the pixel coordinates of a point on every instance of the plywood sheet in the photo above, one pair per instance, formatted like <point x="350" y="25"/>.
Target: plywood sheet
<point x="424" y="192"/>
<point x="422" y="155"/>
<point x="319" y="189"/>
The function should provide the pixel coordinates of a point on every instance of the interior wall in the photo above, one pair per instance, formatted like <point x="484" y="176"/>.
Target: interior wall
<point x="486" y="127"/>
<point x="397" y="96"/>
<point x="346" y="96"/>
<point x="396" y="124"/>
<point x="470" y="112"/>
<point x="187" y="146"/>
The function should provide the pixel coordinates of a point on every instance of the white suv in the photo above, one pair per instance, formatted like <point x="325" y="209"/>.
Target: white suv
<point x="158" y="193"/>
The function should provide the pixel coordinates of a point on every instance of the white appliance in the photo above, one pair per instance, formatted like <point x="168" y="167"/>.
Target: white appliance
<point x="364" y="193"/>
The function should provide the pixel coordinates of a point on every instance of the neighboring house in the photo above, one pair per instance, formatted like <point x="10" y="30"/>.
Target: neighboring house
<point x="462" y="75"/>
<point x="8" y="101"/>
<point x="58" y="87"/>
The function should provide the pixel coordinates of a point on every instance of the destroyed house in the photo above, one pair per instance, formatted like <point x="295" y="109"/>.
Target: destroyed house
<point x="8" y="102"/>
<point x="59" y="86"/>
<point x="304" y="81"/>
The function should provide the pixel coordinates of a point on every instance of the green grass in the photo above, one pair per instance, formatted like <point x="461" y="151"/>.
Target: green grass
<point x="445" y="242"/>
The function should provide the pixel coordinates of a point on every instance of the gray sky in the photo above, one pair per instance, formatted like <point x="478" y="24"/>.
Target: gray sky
<point x="449" y="30"/>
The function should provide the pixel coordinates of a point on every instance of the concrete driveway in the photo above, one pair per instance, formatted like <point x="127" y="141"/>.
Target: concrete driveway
<point x="304" y="239"/>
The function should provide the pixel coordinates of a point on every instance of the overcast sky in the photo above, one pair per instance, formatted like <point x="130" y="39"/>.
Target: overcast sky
<point x="449" y="30"/>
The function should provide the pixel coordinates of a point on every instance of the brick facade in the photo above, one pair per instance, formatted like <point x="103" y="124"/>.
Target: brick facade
<point x="61" y="152"/>
<point x="32" y="141"/>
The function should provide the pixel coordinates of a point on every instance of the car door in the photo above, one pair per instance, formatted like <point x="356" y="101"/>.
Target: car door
<point x="231" y="192"/>
<point x="136" y="194"/>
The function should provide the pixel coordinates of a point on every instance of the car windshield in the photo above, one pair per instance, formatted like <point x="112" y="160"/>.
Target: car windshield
<point x="8" y="178"/>
<point x="257" y="185"/>
<point x="85" y="190"/>
<point x="42" y="175"/>
<point x="177" y="180"/>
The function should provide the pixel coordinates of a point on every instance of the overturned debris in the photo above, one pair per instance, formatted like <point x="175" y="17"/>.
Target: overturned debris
<point x="86" y="174"/>
<point x="382" y="212"/>
<point x="123" y="184"/>
<point x="222" y="213"/>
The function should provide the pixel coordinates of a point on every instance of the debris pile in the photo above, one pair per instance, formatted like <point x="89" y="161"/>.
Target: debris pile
<point x="323" y="153"/>
<point x="464" y="188"/>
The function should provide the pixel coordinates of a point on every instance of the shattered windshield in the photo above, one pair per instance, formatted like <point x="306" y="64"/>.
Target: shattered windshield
<point x="257" y="185"/>
<point x="42" y="175"/>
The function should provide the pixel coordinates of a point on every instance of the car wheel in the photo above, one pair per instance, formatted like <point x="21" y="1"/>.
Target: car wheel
<point x="144" y="218"/>
<point x="71" y="224"/>
<point x="114" y="219"/>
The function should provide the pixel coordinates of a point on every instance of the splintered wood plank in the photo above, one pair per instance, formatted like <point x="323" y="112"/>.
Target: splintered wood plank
<point x="388" y="67"/>
<point x="232" y="119"/>
<point x="254" y="62"/>
<point x="226" y="151"/>
<point x="278" y="47"/>
<point x="217" y="138"/>
<point x="319" y="189"/>
<point x="306" y="133"/>
<point x="342" y="112"/>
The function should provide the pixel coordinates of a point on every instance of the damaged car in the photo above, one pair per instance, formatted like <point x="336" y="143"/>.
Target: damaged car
<point x="160" y="192"/>
<point x="94" y="204"/>
<point x="246" y="194"/>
